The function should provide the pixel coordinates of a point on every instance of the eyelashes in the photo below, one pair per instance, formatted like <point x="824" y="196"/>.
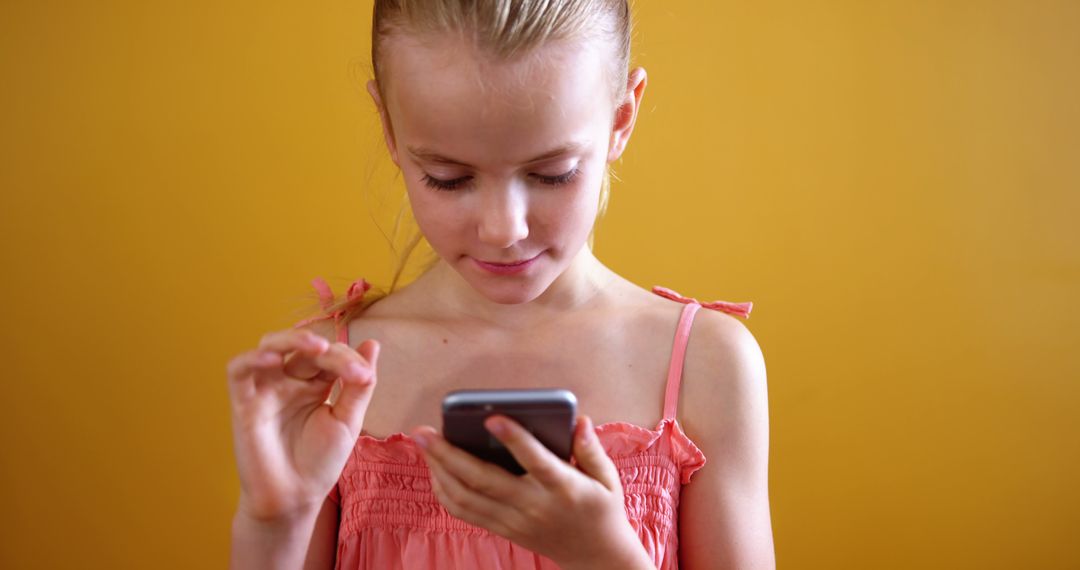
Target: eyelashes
<point x="439" y="184"/>
<point x="456" y="183"/>
<point x="560" y="179"/>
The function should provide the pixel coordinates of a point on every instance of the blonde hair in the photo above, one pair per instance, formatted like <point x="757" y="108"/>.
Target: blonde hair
<point x="504" y="29"/>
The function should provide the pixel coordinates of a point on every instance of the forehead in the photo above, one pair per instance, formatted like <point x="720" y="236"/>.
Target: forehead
<point x="442" y="93"/>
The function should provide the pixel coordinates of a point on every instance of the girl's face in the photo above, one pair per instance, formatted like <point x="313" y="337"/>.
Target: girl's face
<point x="503" y="161"/>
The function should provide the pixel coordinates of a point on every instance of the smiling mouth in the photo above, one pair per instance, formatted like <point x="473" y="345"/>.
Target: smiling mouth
<point x="511" y="268"/>
<point x="510" y="264"/>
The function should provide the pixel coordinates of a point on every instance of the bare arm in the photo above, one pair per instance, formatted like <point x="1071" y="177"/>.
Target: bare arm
<point x="291" y="444"/>
<point x="322" y="552"/>
<point x="724" y="517"/>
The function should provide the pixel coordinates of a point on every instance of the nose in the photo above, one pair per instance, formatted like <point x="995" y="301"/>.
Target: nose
<point x="503" y="216"/>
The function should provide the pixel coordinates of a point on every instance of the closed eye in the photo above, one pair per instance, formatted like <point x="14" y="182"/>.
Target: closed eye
<point x="456" y="183"/>
<point x="440" y="184"/>
<point x="560" y="179"/>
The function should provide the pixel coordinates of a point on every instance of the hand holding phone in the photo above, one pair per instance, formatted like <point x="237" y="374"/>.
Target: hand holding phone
<point x="548" y="414"/>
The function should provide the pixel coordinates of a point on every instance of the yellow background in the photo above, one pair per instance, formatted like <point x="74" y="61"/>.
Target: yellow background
<point x="894" y="184"/>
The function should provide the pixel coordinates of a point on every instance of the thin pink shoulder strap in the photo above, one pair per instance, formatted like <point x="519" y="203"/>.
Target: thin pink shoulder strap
<point x="678" y="355"/>
<point x="326" y="298"/>
<point x="342" y="330"/>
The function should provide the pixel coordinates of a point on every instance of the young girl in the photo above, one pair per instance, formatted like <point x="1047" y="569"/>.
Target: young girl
<point x="503" y="116"/>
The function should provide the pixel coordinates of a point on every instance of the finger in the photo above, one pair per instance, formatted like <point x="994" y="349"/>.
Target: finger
<point x="241" y="372"/>
<point x="479" y="475"/>
<point x="340" y="361"/>
<point x="357" y="385"/>
<point x="591" y="457"/>
<point x="303" y="364"/>
<point x="538" y="460"/>
<point x="288" y="340"/>
<point x="452" y="508"/>
<point x="466" y="503"/>
<point x="246" y="363"/>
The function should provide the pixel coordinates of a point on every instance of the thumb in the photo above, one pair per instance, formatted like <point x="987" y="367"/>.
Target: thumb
<point x="356" y="391"/>
<point x="369" y="349"/>
<point x="591" y="457"/>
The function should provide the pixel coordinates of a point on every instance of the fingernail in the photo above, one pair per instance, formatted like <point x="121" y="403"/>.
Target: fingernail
<point x="495" y="426"/>
<point x="357" y="370"/>
<point x="420" y="440"/>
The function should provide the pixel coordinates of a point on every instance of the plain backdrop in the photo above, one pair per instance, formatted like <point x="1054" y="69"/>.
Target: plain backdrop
<point x="895" y="184"/>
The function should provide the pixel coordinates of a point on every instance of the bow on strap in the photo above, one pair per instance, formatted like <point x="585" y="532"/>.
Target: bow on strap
<point x="739" y="309"/>
<point x="326" y="295"/>
<point x="326" y="299"/>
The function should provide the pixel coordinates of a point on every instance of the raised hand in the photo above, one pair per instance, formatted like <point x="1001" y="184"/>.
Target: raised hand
<point x="290" y="443"/>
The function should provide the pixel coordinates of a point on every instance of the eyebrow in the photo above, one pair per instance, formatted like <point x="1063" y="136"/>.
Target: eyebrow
<point x="432" y="156"/>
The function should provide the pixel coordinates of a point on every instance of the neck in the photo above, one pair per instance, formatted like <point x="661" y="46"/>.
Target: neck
<point x="577" y="287"/>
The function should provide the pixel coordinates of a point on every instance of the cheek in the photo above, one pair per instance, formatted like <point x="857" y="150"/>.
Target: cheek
<point x="580" y="205"/>
<point x="433" y="215"/>
<point x="566" y="218"/>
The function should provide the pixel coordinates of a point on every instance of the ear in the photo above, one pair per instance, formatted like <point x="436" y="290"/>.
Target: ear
<point x="626" y="113"/>
<point x="384" y="116"/>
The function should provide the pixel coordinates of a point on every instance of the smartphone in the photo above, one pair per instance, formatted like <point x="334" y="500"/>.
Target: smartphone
<point x="548" y="413"/>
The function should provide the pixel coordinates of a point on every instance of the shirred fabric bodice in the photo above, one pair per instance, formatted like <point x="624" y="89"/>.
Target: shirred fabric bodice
<point x="390" y="516"/>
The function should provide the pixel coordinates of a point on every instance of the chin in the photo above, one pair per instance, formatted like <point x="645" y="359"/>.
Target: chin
<point x="510" y="292"/>
<point x="519" y="297"/>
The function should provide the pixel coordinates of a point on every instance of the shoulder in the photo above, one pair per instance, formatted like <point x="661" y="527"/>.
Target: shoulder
<point x="724" y="517"/>
<point x="722" y="346"/>
<point x="724" y="391"/>
<point x="376" y="312"/>
<point x="398" y="320"/>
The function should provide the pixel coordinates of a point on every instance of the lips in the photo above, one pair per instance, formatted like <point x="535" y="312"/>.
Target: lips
<point x="506" y="267"/>
<point x="508" y="263"/>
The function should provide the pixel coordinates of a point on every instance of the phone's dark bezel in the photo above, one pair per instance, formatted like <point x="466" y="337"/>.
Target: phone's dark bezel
<point x="549" y="414"/>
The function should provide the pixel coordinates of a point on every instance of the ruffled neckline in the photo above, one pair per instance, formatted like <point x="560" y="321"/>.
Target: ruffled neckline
<point x="620" y="439"/>
<point x="606" y="427"/>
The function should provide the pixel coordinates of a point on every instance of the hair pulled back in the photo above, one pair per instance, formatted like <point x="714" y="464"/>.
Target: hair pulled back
<point x="506" y="29"/>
